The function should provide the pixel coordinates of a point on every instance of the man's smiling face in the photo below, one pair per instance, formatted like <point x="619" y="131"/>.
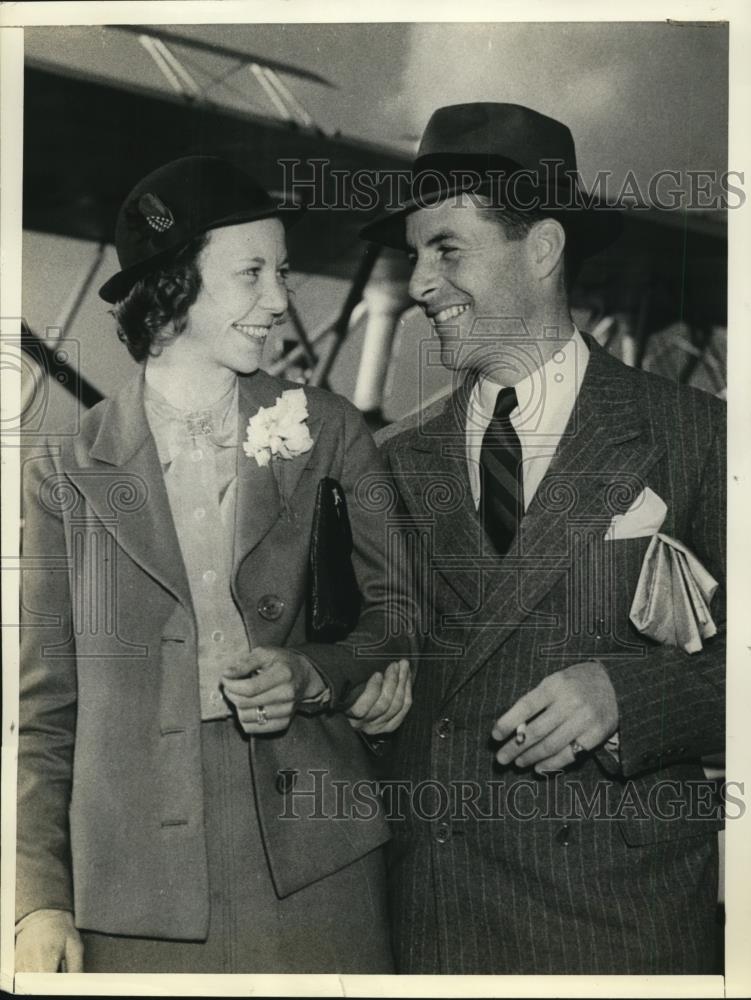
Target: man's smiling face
<point x="477" y="286"/>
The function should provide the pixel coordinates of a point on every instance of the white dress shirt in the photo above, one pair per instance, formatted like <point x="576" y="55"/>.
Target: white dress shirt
<point x="545" y="400"/>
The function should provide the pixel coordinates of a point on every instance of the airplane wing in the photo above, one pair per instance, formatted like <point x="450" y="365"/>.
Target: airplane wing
<point x="88" y="141"/>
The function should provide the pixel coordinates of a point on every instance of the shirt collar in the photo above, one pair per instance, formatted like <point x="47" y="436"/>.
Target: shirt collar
<point x="174" y="428"/>
<point x="542" y="394"/>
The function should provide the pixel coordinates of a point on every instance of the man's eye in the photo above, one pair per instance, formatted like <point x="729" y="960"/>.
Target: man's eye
<point x="254" y="271"/>
<point x="412" y="259"/>
<point x="284" y="274"/>
<point x="445" y="249"/>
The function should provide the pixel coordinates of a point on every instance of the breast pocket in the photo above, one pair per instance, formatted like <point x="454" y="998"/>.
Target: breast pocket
<point x="593" y="600"/>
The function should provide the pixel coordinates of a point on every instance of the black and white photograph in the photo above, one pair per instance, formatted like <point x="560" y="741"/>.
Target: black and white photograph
<point x="370" y="603"/>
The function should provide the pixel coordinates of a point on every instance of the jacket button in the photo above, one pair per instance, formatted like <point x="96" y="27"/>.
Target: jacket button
<point x="270" y="607"/>
<point x="444" y="728"/>
<point x="563" y="837"/>
<point x="285" y="781"/>
<point x="442" y="833"/>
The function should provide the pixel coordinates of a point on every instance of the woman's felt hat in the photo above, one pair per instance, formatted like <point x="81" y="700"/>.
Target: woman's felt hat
<point x="178" y="202"/>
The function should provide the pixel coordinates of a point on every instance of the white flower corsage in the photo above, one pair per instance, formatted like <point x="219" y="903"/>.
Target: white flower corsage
<point x="279" y="431"/>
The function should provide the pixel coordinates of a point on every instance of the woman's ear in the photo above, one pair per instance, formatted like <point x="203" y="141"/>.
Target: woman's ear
<point x="548" y="240"/>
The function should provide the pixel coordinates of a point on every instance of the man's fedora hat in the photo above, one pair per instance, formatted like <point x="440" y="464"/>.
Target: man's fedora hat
<point x="177" y="202"/>
<point x="514" y="156"/>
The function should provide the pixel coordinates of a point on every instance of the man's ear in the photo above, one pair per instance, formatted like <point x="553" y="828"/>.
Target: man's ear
<point x="547" y="240"/>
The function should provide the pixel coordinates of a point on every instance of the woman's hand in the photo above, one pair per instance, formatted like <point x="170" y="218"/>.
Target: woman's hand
<point x="384" y="702"/>
<point x="274" y="683"/>
<point x="47" y="941"/>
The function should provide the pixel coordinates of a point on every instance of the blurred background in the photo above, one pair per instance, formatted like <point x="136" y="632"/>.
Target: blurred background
<point x="104" y="105"/>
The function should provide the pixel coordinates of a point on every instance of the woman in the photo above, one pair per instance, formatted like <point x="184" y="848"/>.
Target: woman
<point x="187" y="771"/>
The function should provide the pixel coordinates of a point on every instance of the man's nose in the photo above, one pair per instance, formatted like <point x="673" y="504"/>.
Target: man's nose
<point x="423" y="282"/>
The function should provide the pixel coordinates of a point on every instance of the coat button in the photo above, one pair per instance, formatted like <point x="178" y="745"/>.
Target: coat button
<point x="443" y="728"/>
<point x="563" y="837"/>
<point x="270" y="607"/>
<point x="442" y="833"/>
<point x="285" y="781"/>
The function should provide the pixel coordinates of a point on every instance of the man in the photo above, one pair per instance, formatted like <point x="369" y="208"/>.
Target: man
<point x="546" y="814"/>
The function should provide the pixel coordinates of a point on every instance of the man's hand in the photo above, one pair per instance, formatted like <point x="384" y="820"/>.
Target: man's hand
<point x="48" y="941"/>
<point x="384" y="703"/>
<point x="577" y="703"/>
<point x="275" y="681"/>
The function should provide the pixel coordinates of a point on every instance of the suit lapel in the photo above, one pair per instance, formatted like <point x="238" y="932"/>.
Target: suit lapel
<point x="262" y="491"/>
<point x="132" y="501"/>
<point x="598" y="469"/>
<point x="433" y="482"/>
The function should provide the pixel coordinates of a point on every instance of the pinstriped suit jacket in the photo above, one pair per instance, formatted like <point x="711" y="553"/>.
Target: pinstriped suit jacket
<point x="609" y="867"/>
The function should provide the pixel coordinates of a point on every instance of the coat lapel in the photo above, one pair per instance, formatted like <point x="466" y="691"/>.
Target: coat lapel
<point x="132" y="501"/>
<point x="599" y="468"/>
<point x="434" y="483"/>
<point x="262" y="491"/>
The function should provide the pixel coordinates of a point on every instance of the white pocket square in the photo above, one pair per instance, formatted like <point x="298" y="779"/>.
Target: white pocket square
<point x="674" y="590"/>
<point x="644" y="517"/>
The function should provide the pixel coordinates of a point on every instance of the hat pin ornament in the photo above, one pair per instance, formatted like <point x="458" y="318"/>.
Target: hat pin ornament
<point x="156" y="213"/>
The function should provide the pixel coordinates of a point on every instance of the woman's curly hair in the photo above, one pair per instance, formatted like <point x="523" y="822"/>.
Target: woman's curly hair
<point x="155" y="310"/>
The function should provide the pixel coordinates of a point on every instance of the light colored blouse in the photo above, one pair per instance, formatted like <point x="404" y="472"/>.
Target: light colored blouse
<point x="198" y="452"/>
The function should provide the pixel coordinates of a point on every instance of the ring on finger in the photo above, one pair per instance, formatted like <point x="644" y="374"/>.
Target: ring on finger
<point x="576" y="747"/>
<point x="261" y="717"/>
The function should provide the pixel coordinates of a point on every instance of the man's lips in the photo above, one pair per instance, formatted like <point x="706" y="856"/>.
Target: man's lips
<point x="448" y="313"/>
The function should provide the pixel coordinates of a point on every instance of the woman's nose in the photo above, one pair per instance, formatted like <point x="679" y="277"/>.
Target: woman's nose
<point x="275" y="297"/>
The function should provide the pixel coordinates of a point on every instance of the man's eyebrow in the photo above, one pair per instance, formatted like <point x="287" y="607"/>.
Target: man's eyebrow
<point x="261" y="260"/>
<point x="444" y="234"/>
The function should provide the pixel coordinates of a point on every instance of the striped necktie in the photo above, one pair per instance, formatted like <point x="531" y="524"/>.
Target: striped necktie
<point x="502" y="490"/>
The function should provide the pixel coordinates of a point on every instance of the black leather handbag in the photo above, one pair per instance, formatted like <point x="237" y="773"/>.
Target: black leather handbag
<point x="334" y="599"/>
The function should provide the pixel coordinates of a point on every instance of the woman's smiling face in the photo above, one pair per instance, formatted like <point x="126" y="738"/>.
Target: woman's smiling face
<point x="243" y="293"/>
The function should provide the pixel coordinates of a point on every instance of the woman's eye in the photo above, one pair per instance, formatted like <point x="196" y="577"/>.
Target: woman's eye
<point x="445" y="250"/>
<point x="284" y="274"/>
<point x="253" y="271"/>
